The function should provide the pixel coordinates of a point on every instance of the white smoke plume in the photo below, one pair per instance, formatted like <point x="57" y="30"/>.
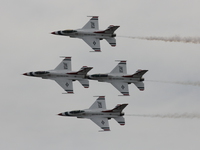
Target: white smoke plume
<point x="195" y="40"/>
<point x="175" y="115"/>
<point x="178" y="82"/>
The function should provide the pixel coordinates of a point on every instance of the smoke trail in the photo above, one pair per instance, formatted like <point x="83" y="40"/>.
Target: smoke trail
<point x="175" y="115"/>
<point x="178" y="82"/>
<point x="195" y="40"/>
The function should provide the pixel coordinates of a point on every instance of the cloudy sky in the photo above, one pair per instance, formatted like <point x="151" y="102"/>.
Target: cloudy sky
<point x="29" y="106"/>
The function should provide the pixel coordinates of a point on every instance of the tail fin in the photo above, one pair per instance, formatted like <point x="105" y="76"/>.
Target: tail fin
<point x="111" y="29"/>
<point x="139" y="73"/>
<point x="117" y="108"/>
<point x="83" y="71"/>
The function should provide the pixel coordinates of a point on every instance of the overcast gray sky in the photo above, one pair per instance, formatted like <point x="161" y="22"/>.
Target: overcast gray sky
<point x="29" y="106"/>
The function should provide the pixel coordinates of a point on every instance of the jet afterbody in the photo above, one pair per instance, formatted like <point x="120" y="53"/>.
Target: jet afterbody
<point x="91" y="34"/>
<point x="119" y="78"/>
<point x="63" y="75"/>
<point x="99" y="114"/>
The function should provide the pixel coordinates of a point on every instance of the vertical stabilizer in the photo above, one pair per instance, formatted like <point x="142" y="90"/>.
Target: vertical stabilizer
<point x="111" y="29"/>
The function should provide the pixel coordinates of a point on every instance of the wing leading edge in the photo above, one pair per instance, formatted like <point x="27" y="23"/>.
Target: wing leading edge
<point x="93" y="23"/>
<point x="66" y="84"/>
<point x="94" y="43"/>
<point x="99" y="103"/>
<point x="65" y="64"/>
<point x="122" y="87"/>
<point x="102" y="123"/>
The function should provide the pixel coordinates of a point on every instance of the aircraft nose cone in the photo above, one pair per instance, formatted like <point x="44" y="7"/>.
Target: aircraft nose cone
<point x="25" y="74"/>
<point x="60" y="114"/>
<point x="53" y="32"/>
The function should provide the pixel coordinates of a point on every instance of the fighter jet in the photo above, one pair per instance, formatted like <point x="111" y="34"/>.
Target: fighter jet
<point x="63" y="75"/>
<point x="91" y="34"/>
<point x="119" y="78"/>
<point x="98" y="113"/>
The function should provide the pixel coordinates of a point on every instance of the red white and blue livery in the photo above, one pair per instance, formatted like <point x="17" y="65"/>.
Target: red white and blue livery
<point x="91" y="34"/>
<point x="119" y="78"/>
<point x="63" y="75"/>
<point x="99" y="114"/>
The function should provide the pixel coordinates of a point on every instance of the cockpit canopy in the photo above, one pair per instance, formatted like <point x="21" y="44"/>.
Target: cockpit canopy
<point x="99" y="75"/>
<point x="76" y="111"/>
<point x="41" y="72"/>
<point x="69" y="31"/>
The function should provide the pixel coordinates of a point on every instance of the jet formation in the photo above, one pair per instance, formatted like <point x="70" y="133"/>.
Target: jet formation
<point x="91" y="34"/>
<point x="118" y="77"/>
<point x="99" y="114"/>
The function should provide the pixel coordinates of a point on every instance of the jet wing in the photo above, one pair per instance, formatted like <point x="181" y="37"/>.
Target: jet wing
<point x="93" y="23"/>
<point x="99" y="103"/>
<point x="65" y="64"/>
<point x="102" y="123"/>
<point x="120" y="68"/>
<point x="94" y="43"/>
<point x="111" y="41"/>
<point x="65" y="84"/>
<point x="122" y="87"/>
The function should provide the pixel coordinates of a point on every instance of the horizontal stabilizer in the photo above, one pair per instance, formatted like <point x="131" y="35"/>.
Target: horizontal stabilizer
<point x="111" y="41"/>
<point x="84" y="82"/>
<point x="139" y="85"/>
<point x="120" y="120"/>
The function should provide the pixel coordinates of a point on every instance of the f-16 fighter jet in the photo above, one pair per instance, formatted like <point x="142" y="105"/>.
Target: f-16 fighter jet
<point x="98" y="113"/>
<point x="63" y="75"/>
<point x="119" y="79"/>
<point x="91" y="34"/>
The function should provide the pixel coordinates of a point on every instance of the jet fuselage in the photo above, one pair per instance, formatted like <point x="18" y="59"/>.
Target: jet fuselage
<point x="114" y="77"/>
<point x="54" y="74"/>
<point x="88" y="113"/>
<point x="79" y="33"/>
